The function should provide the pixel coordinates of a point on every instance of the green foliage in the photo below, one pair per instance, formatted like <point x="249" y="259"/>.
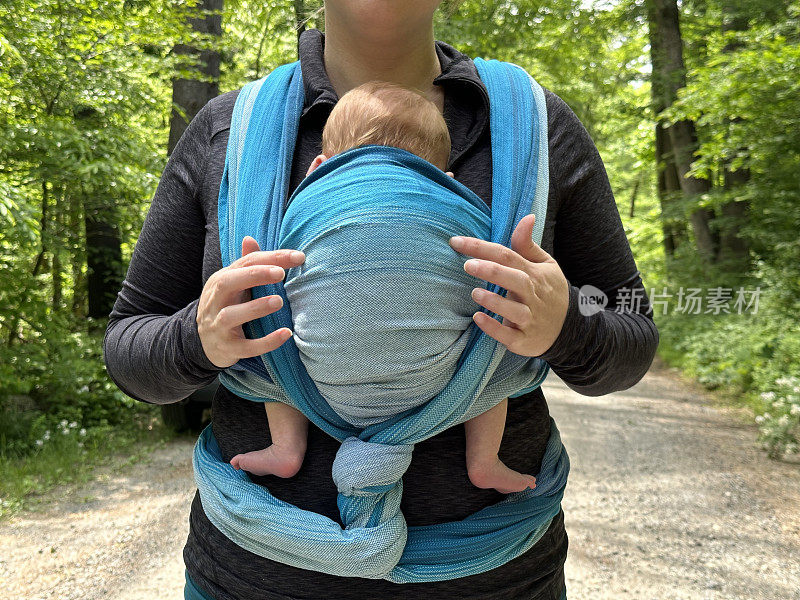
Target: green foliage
<point x="86" y="91"/>
<point x="746" y="103"/>
<point x="86" y="88"/>
<point x="780" y="424"/>
<point x="743" y="95"/>
<point x="60" y="377"/>
<point x="745" y="355"/>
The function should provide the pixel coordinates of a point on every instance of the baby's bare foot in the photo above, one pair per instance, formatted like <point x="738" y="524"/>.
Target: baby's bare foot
<point x="276" y="460"/>
<point x="494" y="474"/>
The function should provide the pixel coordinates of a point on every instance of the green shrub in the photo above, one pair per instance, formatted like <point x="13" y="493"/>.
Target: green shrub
<point x="62" y="378"/>
<point x="779" y="425"/>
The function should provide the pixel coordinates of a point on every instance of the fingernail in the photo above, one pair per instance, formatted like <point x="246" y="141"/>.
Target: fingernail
<point x="296" y="255"/>
<point x="470" y="265"/>
<point x="456" y="240"/>
<point x="276" y="272"/>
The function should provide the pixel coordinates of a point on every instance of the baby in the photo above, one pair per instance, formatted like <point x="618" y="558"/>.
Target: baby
<point x="384" y="114"/>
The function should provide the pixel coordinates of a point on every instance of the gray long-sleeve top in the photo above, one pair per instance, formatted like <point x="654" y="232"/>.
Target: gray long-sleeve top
<point x="154" y="354"/>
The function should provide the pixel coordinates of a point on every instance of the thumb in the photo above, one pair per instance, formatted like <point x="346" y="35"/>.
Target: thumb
<point x="249" y="244"/>
<point x="522" y="241"/>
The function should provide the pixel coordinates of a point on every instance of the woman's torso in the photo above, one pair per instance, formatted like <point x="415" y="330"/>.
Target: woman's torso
<point x="436" y="486"/>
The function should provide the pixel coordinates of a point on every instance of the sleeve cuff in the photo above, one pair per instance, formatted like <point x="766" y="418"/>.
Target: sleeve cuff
<point x="193" y="346"/>
<point x="568" y="344"/>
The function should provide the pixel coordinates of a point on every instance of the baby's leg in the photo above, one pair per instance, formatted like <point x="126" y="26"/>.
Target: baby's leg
<point x="289" y="430"/>
<point x="484" y="434"/>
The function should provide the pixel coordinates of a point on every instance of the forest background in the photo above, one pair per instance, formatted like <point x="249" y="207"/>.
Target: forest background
<point x="694" y="105"/>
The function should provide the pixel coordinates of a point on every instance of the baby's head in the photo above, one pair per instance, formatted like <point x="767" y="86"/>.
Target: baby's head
<point x="387" y="114"/>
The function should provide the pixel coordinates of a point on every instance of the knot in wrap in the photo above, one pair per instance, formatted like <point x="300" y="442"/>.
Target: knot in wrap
<point x="366" y="468"/>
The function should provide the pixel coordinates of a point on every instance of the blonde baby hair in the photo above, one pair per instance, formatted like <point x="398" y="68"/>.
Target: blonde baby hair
<point x="387" y="114"/>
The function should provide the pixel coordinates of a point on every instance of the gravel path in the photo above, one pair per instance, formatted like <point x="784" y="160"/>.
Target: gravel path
<point x="668" y="498"/>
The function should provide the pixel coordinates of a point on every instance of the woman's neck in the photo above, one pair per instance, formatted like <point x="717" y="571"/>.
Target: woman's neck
<point x="403" y="56"/>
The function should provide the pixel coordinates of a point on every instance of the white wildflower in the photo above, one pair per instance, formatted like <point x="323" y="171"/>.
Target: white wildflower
<point x="73" y="425"/>
<point x="82" y="431"/>
<point x="40" y="443"/>
<point x="46" y="435"/>
<point x="768" y="396"/>
<point x="63" y="423"/>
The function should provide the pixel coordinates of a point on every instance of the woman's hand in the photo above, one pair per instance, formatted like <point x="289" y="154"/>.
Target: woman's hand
<point x="536" y="303"/>
<point x="226" y="303"/>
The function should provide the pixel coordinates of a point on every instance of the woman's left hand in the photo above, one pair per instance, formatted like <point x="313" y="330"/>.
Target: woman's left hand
<point x="536" y="303"/>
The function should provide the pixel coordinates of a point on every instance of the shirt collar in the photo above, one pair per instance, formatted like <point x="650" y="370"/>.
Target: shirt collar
<point x="470" y="104"/>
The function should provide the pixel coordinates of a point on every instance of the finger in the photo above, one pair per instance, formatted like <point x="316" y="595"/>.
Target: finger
<point x="248" y="348"/>
<point x="485" y="250"/>
<point x="513" y="280"/>
<point x="522" y="241"/>
<point x="235" y="315"/>
<point x="502" y="333"/>
<point x="285" y="258"/>
<point x="512" y="312"/>
<point x="249" y="244"/>
<point x="231" y="283"/>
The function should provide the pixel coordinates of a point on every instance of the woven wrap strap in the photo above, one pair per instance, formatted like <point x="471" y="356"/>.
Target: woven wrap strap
<point x="373" y="540"/>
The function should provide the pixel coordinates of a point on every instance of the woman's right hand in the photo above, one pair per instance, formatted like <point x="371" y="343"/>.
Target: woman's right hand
<point x="226" y="304"/>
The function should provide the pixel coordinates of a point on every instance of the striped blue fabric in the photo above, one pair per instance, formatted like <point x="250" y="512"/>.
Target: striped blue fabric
<point x="378" y="431"/>
<point x="381" y="307"/>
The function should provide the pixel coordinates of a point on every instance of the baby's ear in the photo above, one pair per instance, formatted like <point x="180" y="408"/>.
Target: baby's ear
<point x="318" y="160"/>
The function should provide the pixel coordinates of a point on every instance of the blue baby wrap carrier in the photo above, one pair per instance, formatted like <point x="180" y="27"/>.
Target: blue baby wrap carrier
<point x="375" y="541"/>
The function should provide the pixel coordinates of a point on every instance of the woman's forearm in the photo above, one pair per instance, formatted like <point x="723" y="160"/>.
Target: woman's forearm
<point x="597" y="352"/>
<point x="152" y="349"/>
<point x="604" y="352"/>
<point x="156" y="358"/>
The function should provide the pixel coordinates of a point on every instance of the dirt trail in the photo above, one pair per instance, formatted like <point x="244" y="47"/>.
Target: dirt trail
<point x="668" y="498"/>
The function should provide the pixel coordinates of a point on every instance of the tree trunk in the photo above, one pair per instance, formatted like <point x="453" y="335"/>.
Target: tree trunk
<point x="55" y="271"/>
<point x="104" y="268"/>
<point x="103" y="256"/>
<point x="78" y="255"/>
<point x="190" y="95"/>
<point x="668" y="187"/>
<point x="683" y="139"/>
<point x="299" y="16"/>
<point x="41" y="258"/>
<point x="733" y="249"/>
<point x="667" y="175"/>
